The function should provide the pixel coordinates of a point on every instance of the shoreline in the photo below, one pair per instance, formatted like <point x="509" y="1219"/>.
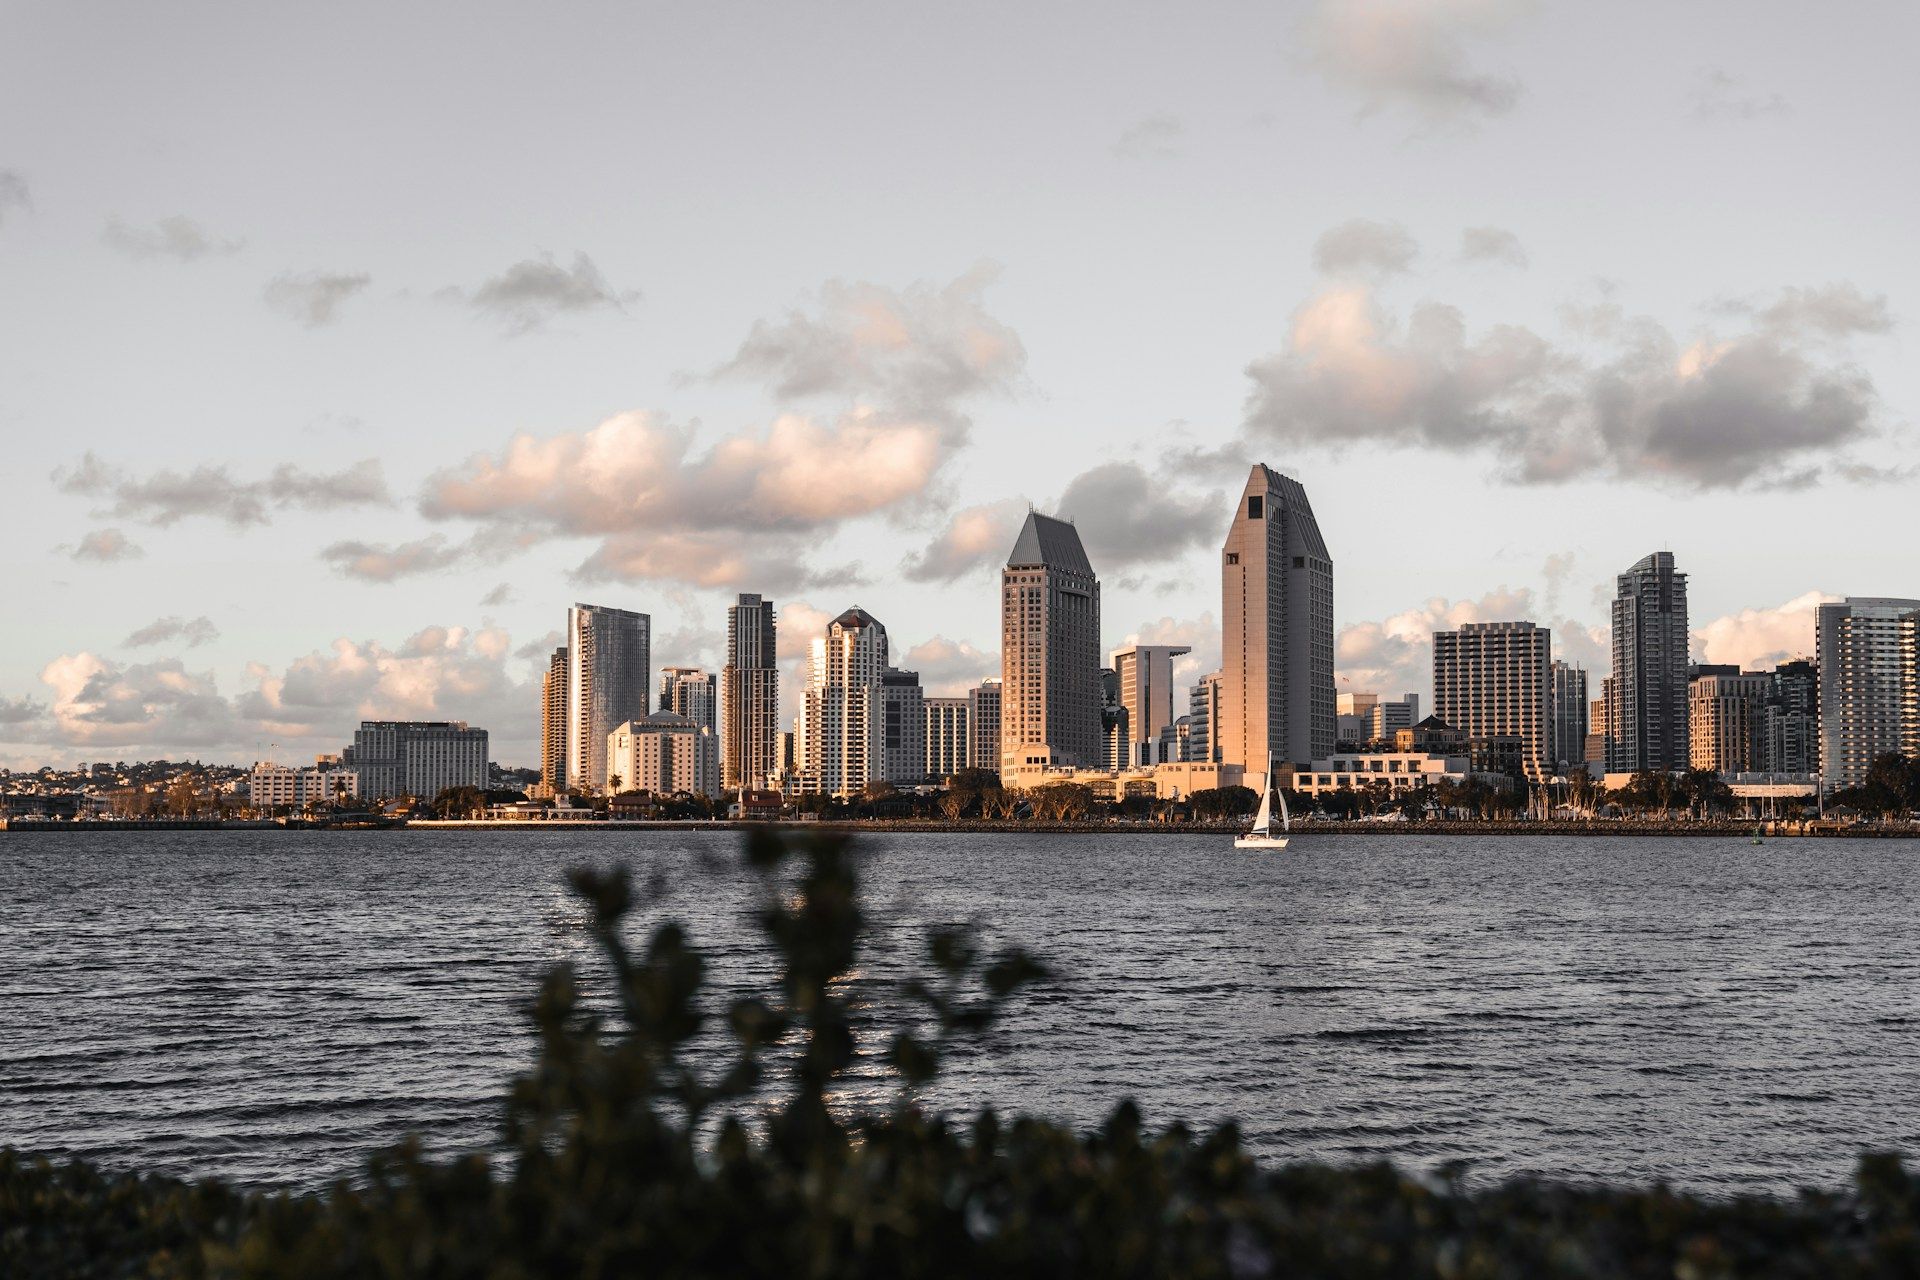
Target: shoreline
<point x="936" y="826"/>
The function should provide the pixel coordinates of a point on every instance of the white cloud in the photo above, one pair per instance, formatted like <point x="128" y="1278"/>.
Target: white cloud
<point x="1412" y="54"/>
<point x="948" y="668"/>
<point x="1201" y="635"/>
<point x="166" y="497"/>
<point x="1758" y="639"/>
<point x="176" y="237"/>
<point x="97" y="702"/>
<point x="371" y="562"/>
<point x="190" y="632"/>
<point x="1395" y="654"/>
<point x="973" y="537"/>
<point x="315" y="297"/>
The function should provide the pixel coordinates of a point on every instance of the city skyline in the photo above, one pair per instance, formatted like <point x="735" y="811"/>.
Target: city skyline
<point x="333" y="443"/>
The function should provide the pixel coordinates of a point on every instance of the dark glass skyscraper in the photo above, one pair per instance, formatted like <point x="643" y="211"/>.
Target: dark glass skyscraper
<point x="1647" y="703"/>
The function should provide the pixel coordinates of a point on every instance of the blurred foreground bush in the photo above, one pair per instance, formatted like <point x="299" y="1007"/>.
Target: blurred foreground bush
<point x="628" y="1160"/>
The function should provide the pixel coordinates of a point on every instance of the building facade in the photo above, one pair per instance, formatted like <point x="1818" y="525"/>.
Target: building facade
<point x="1492" y="680"/>
<point x="1203" y="713"/>
<point x="1791" y="720"/>
<point x="1647" y="703"/>
<point x="983" y="726"/>
<point x="419" y="758"/>
<point x="278" y="786"/>
<point x="946" y="736"/>
<point x="1276" y="676"/>
<point x="553" y="723"/>
<point x="750" y="696"/>
<point x="839" y="721"/>
<point x="1050" y="650"/>
<point x="690" y="692"/>
<point x="663" y="754"/>
<point x="1568" y="704"/>
<point x="608" y="674"/>
<point x="1144" y="673"/>
<point x="902" y="710"/>
<point x="1868" y="672"/>
<point x="1726" y="725"/>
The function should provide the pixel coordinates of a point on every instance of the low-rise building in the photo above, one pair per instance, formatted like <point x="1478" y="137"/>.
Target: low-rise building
<point x="1397" y="771"/>
<point x="281" y="786"/>
<point x="664" y="754"/>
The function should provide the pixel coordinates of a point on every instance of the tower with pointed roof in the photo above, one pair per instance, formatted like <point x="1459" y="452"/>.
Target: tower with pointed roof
<point x="1050" y="650"/>
<point x="1276" y="669"/>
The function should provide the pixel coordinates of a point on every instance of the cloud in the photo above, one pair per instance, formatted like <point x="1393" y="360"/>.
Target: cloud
<point x="502" y="594"/>
<point x="1127" y="517"/>
<point x="13" y="193"/>
<point x="313" y="298"/>
<point x="532" y="292"/>
<point x="1363" y="250"/>
<point x="166" y="497"/>
<point x="1717" y="95"/>
<point x="106" y="546"/>
<point x="664" y="508"/>
<point x="1833" y="311"/>
<point x="177" y="237"/>
<point x="371" y="562"/>
<point x="1761" y="638"/>
<point x="716" y="561"/>
<point x="1201" y="635"/>
<point x="916" y="351"/>
<point x="1161" y="136"/>
<point x="1412" y="54"/>
<point x="1768" y="407"/>
<point x="19" y="711"/>
<point x="1493" y="245"/>
<point x="1395" y="655"/>
<point x="191" y="632"/>
<point x="948" y="668"/>
<point x="101" y="703"/>
<point x="973" y="537"/>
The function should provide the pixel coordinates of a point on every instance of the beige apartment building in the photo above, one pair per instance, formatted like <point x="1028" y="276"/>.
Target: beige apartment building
<point x="1494" y="680"/>
<point x="1050" y="651"/>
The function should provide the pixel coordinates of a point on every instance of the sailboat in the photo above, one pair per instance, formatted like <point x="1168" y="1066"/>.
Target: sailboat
<point x="1262" y="835"/>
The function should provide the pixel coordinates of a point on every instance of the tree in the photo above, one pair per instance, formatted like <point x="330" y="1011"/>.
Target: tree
<point x="182" y="800"/>
<point x="1224" y="802"/>
<point x="954" y="804"/>
<point x="458" y="802"/>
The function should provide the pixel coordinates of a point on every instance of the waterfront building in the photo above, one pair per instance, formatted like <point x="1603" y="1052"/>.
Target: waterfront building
<point x="750" y="696"/>
<point x="1050" y="650"/>
<point x="608" y="674"/>
<point x="1276" y="676"/>
<point x="983" y="726"/>
<point x="1790" y="721"/>
<point x="689" y="692"/>
<point x="839" y="726"/>
<point x="419" y="758"/>
<point x="901" y="707"/>
<point x="1647" y="706"/>
<point x="1867" y="655"/>
<point x="273" y="786"/>
<point x="1599" y="745"/>
<point x="947" y="736"/>
<point x="1726" y="721"/>
<point x="663" y="754"/>
<point x="553" y="724"/>
<point x="1389" y="773"/>
<point x="1203" y="713"/>
<point x="1568" y="703"/>
<point x="1389" y="717"/>
<point x="1491" y="681"/>
<point x="1144" y="673"/>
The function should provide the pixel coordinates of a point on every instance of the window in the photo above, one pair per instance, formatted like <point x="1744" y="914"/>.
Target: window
<point x="1233" y="557"/>
<point x="1253" y="507"/>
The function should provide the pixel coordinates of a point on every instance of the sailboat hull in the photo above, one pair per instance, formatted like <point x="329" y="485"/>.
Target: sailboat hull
<point x="1260" y="842"/>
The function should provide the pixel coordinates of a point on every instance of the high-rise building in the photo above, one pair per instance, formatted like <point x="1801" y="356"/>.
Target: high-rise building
<point x="1726" y="721"/>
<point x="750" y="696"/>
<point x="983" y="726"/>
<point x="1050" y="651"/>
<point x="1599" y="716"/>
<point x="840" y="722"/>
<point x="1647" y="708"/>
<point x="946" y="736"/>
<point x="1568" y="701"/>
<point x="608" y="671"/>
<point x="1491" y="681"/>
<point x="1867" y="650"/>
<point x="419" y="758"/>
<point x="901" y="708"/>
<point x="553" y="723"/>
<point x="1145" y="676"/>
<point x="663" y="754"/>
<point x="1203" y="713"/>
<point x="1790" y="721"/>
<point x="1276" y="676"/>
<point x="689" y="692"/>
<point x="1389" y="717"/>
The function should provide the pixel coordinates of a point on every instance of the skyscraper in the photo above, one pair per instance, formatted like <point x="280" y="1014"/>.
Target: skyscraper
<point x="1867" y="650"/>
<point x="608" y="673"/>
<point x="946" y="736"/>
<point x="1276" y="675"/>
<point x="1790" y="721"/>
<point x="749" y="696"/>
<point x="1050" y="650"/>
<point x="1569" y="703"/>
<point x="553" y="723"/>
<point x="1490" y="680"/>
<point x="901" y="709"/>
<point x="840" y="724"/>
<point x="983" y="726"/>
<point x="1145" y="674"/>
<point x="420" y="758"/>
<point x="688" y="692"/>
<point x="1203" y="713"/>
<point x="1647" y="704"/>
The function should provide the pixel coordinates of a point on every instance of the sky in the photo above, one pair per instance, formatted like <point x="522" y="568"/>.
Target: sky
<point x="343" y="347"/>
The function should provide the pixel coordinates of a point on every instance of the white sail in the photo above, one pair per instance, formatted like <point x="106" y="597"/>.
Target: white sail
<point x="1286" y="819"/>
<point x="1263" y="820"/>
